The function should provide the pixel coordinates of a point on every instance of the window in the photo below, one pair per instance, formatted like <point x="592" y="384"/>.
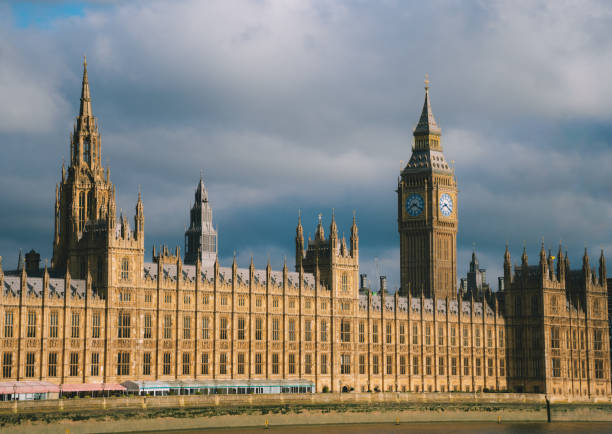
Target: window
<point x="415" y="365"/>
<point x="52" y="365"/>
<point x="582" y="339"/>
<point x="95" y="325"/>
<point x="186" y="299"/>
<point x="29" y="365"/>
<point x="168" y="298"/>
<point x="259" y="301"/>
<point x="502" y="367"/>
<point x="223" y="363"/>
<point x="205" y="328"/>
<point x="241" y="363"/>
<point x="307" y="304"/>
<point x="597" y="341"/>
<point x="362" y="364"/>
<point x="490" y="338"/>
<point x="389" y="365"/>
<point x="31" y="331"/>
<point x="8" y="325"/>
<point x="307" y="330"/>
<point x="478" y="367"/>
<point x="124" y="326"/>
<point x="125" y="269"/>
<point x="146" y="364"/>
<point x="204" y="364"/>
<point x="292" y="363"/>
<point x="428" y="365"/>
<point x="148" y="326"/>
<point x="375" y="364"/>
<point x="275" y="363"/>
<point x="307" y="364"/>
<point x="490" y="367"/>
<point x="81" y="211"/>
<point x="453" y="337"/>
<point x="76" y="319"/>
<point x="148" y="297"/>
<point x="389" y="333"/>
<point x="7" y="365"/>
<point x="53" y="321"/>
<point x="186" y="327"/>
<point x="466" y="366"/>
<point x="186" y="363"/>
<point x="125" y="295"/>
<point x="596" y="307"/>
<point x="292" y="330"/>
<point x="205" y="299"/>
<point x="223" y="332"/>
<point x="427" y="334"/>
<point x="466" y="336"/>
<point x="454" y="366"/>
<point x="123" y="363"/>
<point x="374" y="333"/>
<point x="415" y="334"/>
<point x="345" y="331"/>
<point x="323" y="305"/>
<point x="275" y="329"/>
<point x="167" y="358"/>
<point x="291" y="303"/>
<point x="502" y="342"/>
<point x="345" y="285"/>
<point x="583" y="368"/>
<point x="74" y="364"/>
<point x="440" y="365"/>
<point x="554" y="306"/>
<point x="554" y="338"/>
<point x="477" y="336"/>
<point x="574" y="340"/>
<point x="402" y="334"/>
<point x="599" y="368"/>
<point x="275" y="302"/>
<point x="440" y="335"/>
<point x="323" y="363"/>
<point x="556" y="367"/>
<point x="575" y="366"/>
<point x="95" y="364"/>
<point x="258" y="363"/>
<point x="258" y="329"/>
<point x="402" y="365"/>
<point x="345" y="364"/>
<point x="168" y="327"/>
<point x="323" y="330"/>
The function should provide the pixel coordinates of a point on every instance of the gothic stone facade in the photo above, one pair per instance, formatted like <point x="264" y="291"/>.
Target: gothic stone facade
<point x="104" y="314"/>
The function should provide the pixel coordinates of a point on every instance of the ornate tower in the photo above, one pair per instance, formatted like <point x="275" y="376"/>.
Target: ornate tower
<point x="427" y="214"/>
<point x="201" y="237"/>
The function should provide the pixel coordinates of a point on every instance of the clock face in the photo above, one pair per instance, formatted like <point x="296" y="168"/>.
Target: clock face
<point x="446" y="205"/>
<point x="414" y="205"/>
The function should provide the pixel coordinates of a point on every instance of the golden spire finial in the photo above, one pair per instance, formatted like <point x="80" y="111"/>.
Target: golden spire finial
<point x="426" y="81"/>
<point x="84" y="60"/>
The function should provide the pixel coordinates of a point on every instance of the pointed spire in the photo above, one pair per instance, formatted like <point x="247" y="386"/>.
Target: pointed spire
<point x="20" y="261"/>
<point x="543" y="254"/>
<point x="524" y="256"/>
<point x="320" y="234"/>
<point x="602" y="268"/>
<point x="85" y="109"/>
<point x="427" y="123"/>
<point x="1" y="273"/>
<point x="507" y="255"/>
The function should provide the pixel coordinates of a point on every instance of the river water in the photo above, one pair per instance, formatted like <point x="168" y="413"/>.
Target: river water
<point x="435" y="428"/>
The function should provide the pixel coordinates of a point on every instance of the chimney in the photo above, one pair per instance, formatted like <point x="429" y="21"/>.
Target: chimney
<point x="32" y="263"/>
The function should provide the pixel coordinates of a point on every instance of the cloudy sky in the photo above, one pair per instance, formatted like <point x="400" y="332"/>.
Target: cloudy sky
<point x="310" y="105"/>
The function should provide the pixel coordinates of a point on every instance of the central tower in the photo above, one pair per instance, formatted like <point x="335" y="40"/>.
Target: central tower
<point x="427" y="214"/>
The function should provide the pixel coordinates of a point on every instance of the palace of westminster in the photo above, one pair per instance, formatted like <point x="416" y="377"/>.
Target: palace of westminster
<point x="100" y="313"/>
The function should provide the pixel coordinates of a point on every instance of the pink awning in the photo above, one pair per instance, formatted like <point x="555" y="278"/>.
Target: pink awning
<point x="19" y="387"/>
<point x="92" y="387"/>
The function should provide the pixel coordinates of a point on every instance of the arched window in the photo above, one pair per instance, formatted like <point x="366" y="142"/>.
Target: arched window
<point x="125" y="269"/>
<point x="81" y="211"/>
<point x="86" y="151"/>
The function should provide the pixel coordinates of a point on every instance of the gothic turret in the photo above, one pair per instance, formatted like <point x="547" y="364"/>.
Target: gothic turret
<point x="201" y="237"/>
<point x="602" y="269"/>
<point x="139" y="218"/>
<point x="299" y="242"/>
<point x="507" y="268"/>
<point x="354" y="239"/>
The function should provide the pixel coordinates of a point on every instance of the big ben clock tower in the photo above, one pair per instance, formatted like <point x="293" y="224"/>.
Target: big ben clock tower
<point x="427" y="214"/>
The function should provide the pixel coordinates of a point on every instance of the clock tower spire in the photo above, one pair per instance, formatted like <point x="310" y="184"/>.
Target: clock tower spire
<point x="427" y="213"/>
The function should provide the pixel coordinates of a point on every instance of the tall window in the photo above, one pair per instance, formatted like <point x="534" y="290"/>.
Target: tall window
<point x="440" y="365"/>
<point x="323" y="364"/>
<point x="125" y="269"/>
<point x="168" y="327"/>
<point x="53" y="321"/>
<point x="292" y="330"/>
<point x="466" y="366"/>
<point x="95" y="325"/>
<point x="502" y="367"/>
<point x="205" y="328"/>
<point x="307" y="330"/>
<point x="81" y="211"/>
<point x="186" y="363"/>
<point x="74" y="364"/>
<point x="427" y="334"/>
<point x="31" y="332"/>
<point x="440" y="335"/>
<point x="477" y="336"/>
<point x="389" y="333"/>
<point x="186" y="327"/>
<point x="490" y="338"/>
<point x="223" y="328"/>
<point x="554" y="338"/>
<point x="375" y="333"/>
<point x="52" y="365"/>
<point x="402" y="365"/>
<point x="478" y="367"/>
<point x="454" y="366"/>
<point x="86" y="151"/>
<point x="258" y="363"/>
<point x="375" y="364"/>
<point x="148" y="326"/>
<point x="402" y="334"/>
<point x="453" y="336"/>
<point x="146" y="364"/>
<point x="345" y="285"/>
<point x="597" y="340"/>
<point x="8" y="325"/>
<point x="466" y="336"/>
<point x="323" y="330"/>
<point x="7" y="365"/>
<point x="95" y="364"/>
<point x="428" y="365"/>
<point x="291" y="363"/>
<point x="502" y="341"/>
<point x="415" y="334"/>
<point x="204" y="367"/>
<point x="275" y="329"/>
<point x="123" y="331"/>
<point x="123" y="363"/>
<point x="490" y="367"/>
<point x="241" y="328"/>
<point x="415" y="365"/>
<point x="241" y="363"/>
<point x="599" y="369"/>
<point x="258" y="329"/>
<point x="307" y="364"/>
<point x="389" y="365"/>
<point x="361" y="332"/>
<point x="556" y="367"/>
<point x="76" y="320"/>
<point x="29" y="367"/>
<point x="345" y="364"/>
<point x="345" y="331"/>
<point x="166" y="363"/>
<point x="223" y="363"/>
<point x="275" y="364"/>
